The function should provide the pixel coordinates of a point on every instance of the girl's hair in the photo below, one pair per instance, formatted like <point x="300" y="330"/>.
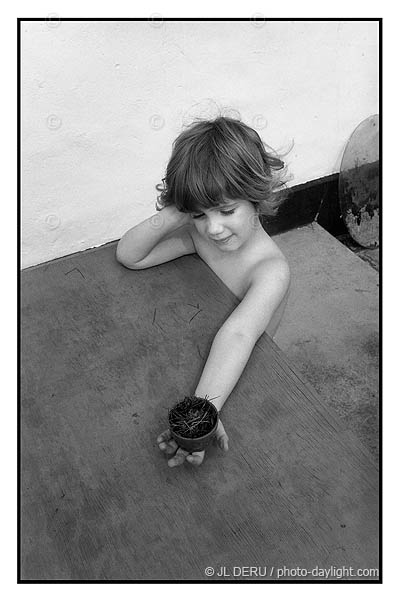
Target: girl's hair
<point x="222" y="159"/>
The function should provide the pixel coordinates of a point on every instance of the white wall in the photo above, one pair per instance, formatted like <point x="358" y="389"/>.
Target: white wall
<point x="102" y="103"/>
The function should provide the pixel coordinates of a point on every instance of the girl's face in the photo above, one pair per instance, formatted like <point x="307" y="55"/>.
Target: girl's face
<point x="230" y="226"/>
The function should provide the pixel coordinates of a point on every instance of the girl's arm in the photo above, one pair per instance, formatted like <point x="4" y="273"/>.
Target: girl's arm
<point x="226" y="361"/>
<point x="234" y="342"/>
<point x="232" y="347"/>
<point x="137" y="244"/>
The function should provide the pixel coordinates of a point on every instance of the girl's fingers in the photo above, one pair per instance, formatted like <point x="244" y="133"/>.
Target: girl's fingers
<point x="164" y="436"/>
<point x="196" y="458"/>
<point x="223" y="442"/>
<point x="166" y="443"/>
<point x="168" y="447"/>
<point x="179" y="458"/>
<point x="222" y="437"/>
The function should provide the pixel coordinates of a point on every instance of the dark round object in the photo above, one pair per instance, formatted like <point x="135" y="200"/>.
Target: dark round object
<point x="193" y="443"/>
<point x="359" y="183"/>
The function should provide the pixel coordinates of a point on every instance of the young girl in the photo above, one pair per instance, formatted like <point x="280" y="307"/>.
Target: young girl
<point x="219" y="179"/>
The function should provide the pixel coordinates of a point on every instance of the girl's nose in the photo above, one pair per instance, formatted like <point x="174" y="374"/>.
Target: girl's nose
<point x="214" y="227"/>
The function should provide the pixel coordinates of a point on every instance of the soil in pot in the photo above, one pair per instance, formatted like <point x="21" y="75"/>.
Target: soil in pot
<point x="193" y="423"/>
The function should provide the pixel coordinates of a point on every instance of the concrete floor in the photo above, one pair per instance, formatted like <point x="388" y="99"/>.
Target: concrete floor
<point x="330" y="330"/>
<point x="106" y="351"/>
<point x="370" y="255"/>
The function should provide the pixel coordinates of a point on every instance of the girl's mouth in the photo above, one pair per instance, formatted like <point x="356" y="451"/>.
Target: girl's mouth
<point x="224" y="241"/>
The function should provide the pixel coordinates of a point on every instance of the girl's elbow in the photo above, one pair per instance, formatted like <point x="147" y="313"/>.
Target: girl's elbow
<point x="123" y="259"/>
<point x="119" y="255"/>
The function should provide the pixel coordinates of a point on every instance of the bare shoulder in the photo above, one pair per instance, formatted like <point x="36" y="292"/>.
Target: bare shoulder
<point x="271" y="267"/>
<point x="270" y="281"/>
<point x="264" y="301"/>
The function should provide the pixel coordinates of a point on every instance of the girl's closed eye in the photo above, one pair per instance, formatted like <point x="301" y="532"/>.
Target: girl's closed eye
<point x="223" y="212"/>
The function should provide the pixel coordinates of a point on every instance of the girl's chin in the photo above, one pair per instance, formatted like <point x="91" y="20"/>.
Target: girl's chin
<point x="230" y="246"/>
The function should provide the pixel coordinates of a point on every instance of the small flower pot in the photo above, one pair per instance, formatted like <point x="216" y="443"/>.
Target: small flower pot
<point x="193" y="423"/>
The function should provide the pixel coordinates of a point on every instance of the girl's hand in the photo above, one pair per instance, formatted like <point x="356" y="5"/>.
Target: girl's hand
<point x="178" y="455"/>
<point x="181" y="218"/>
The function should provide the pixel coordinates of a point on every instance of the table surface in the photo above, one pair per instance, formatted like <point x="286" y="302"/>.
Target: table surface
<point x="105" y="352"/>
